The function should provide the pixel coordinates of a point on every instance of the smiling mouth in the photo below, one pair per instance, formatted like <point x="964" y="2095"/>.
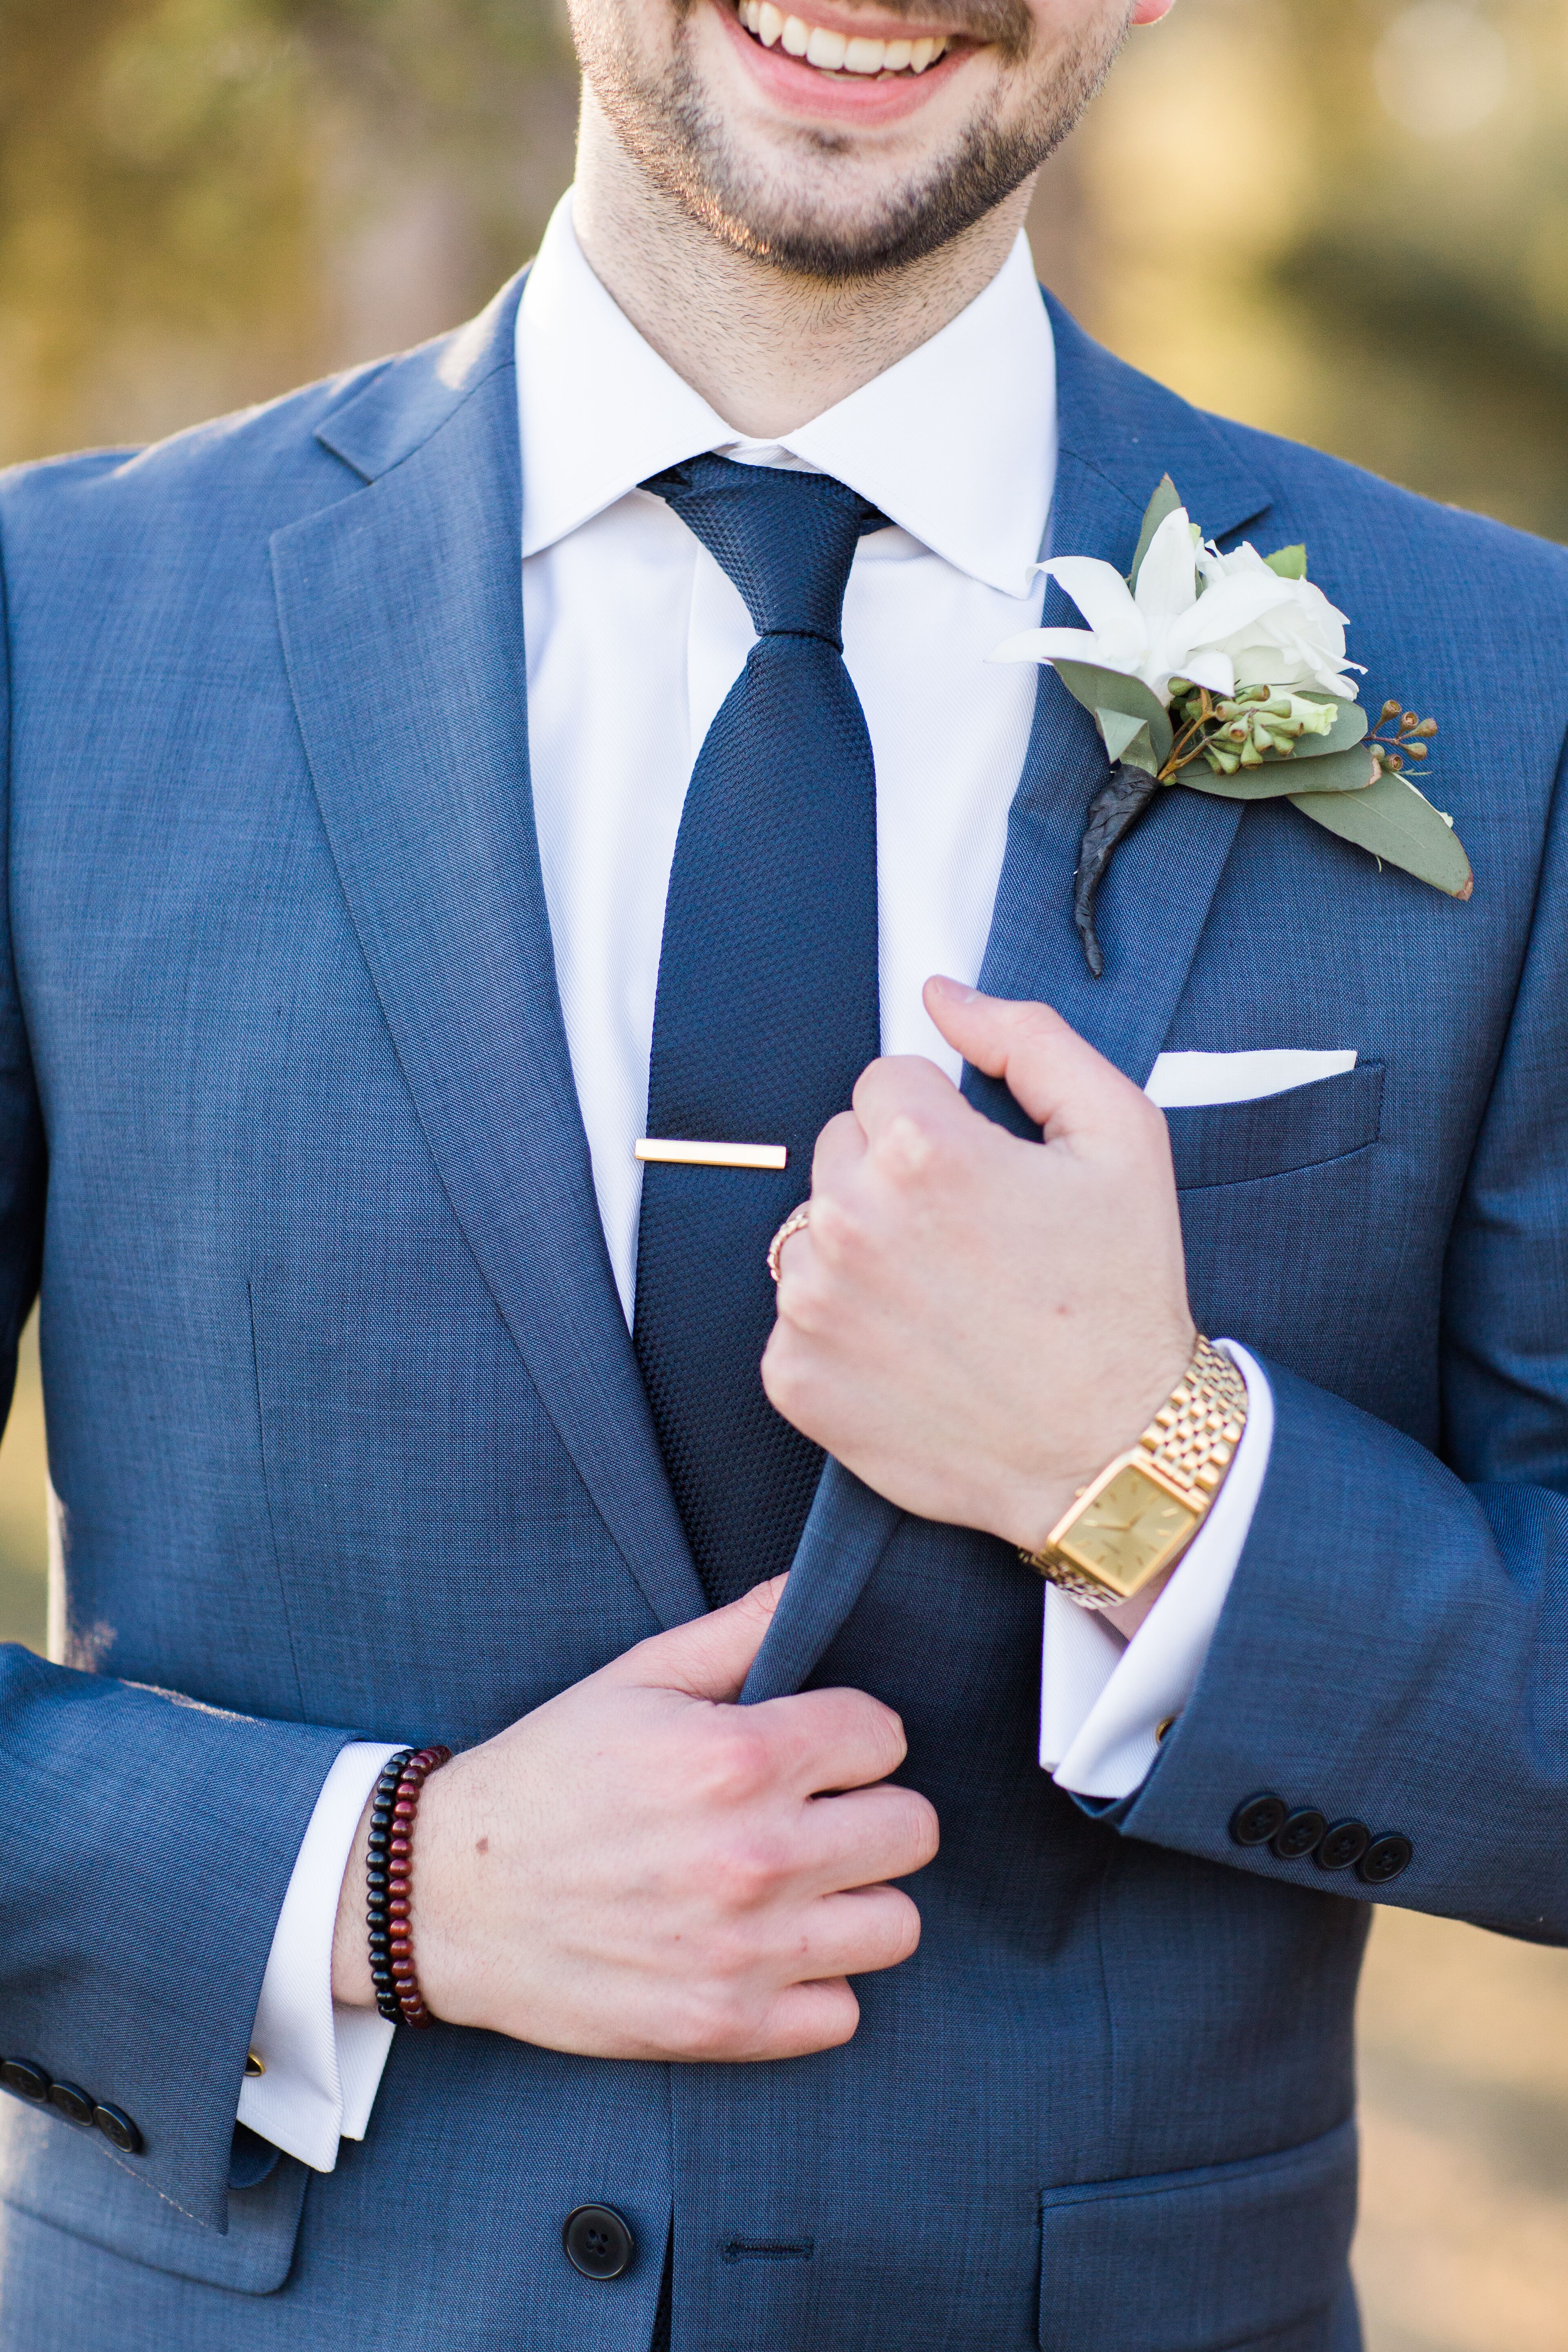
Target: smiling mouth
<point x="837" y="53"/>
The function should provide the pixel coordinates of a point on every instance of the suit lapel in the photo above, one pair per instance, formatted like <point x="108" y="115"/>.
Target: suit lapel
<point x="402" y="622"/>
<point x="1119" y="432"/>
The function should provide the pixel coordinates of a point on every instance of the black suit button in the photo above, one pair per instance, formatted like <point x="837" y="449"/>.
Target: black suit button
<point x="28" y="2081"/>
<point x="118" y="2130"/>
<point x="598" y="2243"/>
<point x="1384" y="1858"/>
<point x="1345" y="1843"/>
<point x="1255" y="1822"/>
<point x="72" y="2101"/>
<point x="1298" y="1835"/>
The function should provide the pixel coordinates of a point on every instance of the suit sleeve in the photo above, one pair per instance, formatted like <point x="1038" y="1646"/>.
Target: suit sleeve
<point x="146" y="1840"/>
<point x="1393" y="1650"/>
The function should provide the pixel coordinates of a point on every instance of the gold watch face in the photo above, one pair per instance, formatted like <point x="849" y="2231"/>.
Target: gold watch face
<point x="1129" y="1531"/>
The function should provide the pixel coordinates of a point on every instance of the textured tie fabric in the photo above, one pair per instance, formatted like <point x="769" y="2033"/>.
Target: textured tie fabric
<point x="767" y="1007"/>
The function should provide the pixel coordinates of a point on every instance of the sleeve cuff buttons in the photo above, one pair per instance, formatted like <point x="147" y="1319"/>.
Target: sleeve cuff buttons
<point x="1298" y="1834"/>
<point x="70" y="2100"/>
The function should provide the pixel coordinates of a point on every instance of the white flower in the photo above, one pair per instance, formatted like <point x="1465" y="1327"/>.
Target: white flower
<point x="1298" y="640"/>
<point x="1165" y="628"/>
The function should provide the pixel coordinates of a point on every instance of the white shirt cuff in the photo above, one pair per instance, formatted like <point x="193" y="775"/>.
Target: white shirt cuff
<point x="324" y="2063"/>
<point x="1104" y="1699"/>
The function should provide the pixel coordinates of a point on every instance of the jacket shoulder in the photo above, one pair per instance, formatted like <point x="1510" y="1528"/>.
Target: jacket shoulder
<point x="233" y="468"/>
<point x="1351" y="499"/>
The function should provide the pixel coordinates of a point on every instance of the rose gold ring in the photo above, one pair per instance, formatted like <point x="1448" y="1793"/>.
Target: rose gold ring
<point x="795" y="1223"/>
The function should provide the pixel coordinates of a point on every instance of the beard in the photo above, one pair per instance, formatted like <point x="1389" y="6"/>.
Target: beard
<point x="759" y="208"/>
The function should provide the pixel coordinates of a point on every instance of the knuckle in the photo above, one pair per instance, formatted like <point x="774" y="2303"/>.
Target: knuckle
<point x="716" y="2026"/>
<point x="924" y="1832"/>
<point x="903" y="1929"/>
<point x="912" y="1149"/>
<point x="735" y="1762"/>
<point x="745" y="1871"/>
<point x="837" y="1232"/>
<point x="786" y="1381"/>
<point x="891" y="1732"/>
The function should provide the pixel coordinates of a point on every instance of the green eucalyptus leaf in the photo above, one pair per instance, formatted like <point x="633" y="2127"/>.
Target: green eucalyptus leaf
<point x="1265" y="783"/>
<point x="1165" y="501"/>
<point x="1346" y="772"/>
<point x="1108" y="689"/>
<point x="1290" y="562"/>
<point x="1126" y="737"/>
<point x="1393" y="821"/>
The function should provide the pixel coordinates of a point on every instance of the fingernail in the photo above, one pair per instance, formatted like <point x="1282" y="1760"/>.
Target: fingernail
<point x="957" y="991"/>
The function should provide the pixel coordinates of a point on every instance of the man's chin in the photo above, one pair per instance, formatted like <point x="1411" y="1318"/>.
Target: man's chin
<point x="825" y="200"/>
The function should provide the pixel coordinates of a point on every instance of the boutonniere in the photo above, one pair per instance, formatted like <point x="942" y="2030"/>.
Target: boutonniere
<point x="1227" y="674"/>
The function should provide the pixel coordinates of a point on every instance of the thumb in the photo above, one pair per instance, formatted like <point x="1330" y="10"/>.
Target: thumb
<point x="709" y="1657"/>
<point x="1064" y="1085"/>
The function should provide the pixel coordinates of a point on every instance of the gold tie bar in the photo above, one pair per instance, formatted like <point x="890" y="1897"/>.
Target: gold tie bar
<point x="679" y="1153"/>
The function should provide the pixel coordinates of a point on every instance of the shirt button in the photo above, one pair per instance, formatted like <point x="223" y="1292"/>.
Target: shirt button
<point x="1255" y="1822"/>
<point x="1298" y="1834"/>
<point x="1345" y="1843"/>
<point x="1384" y="1858"/>
<point x="598" y="2242"/>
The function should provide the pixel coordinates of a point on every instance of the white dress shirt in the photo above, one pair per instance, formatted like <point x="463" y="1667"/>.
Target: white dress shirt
<point x="635" y="636"/>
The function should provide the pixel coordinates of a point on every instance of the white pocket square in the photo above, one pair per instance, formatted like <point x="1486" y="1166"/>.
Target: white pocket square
<point x="1183" y="1081"/>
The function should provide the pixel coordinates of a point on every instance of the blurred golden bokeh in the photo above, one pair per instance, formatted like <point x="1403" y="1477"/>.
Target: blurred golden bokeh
<point x="1344" y="220"/>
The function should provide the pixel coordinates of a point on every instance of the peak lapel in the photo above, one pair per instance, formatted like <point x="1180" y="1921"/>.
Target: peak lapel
<point x="1119" y="433"/>
<point x="402" y="620"/>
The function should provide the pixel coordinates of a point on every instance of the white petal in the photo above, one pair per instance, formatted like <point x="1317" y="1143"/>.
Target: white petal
<point x="1232" y="605"/>
<point x="1167" y="577"/>
<point x="1058" y="645"/>
<point x="1215" y="670"/>
<point x="1101" y="595"/>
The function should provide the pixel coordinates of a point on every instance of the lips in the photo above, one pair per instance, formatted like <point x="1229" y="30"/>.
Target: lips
<point x="837" y="53"/>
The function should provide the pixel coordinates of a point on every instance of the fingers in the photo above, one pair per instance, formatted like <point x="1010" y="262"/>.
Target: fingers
<point x="1063" y="1083"/>
<point x="864" y="1839"/>
<point x="855" y="1934"/>
<point x="807" y="2018"/>
<point x="710" y="1656"/>
<point x="831" y="1739"/>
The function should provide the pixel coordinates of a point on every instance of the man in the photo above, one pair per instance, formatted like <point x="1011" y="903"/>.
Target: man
<point x="370" y="914"/>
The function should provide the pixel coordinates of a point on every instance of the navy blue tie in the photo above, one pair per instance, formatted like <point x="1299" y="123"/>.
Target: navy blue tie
<point x="767" y="1007"/>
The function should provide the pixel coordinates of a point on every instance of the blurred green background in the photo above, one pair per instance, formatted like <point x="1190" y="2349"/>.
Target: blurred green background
<point x="1345" y="220"/>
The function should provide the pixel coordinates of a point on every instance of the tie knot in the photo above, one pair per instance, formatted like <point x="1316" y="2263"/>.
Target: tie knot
<point x="786" y="540"/>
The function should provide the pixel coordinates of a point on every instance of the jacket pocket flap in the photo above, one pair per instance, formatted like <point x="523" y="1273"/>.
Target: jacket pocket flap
<point x="74" y="2180"/>
<point x="1182" y="2261"/>
<point x="1232" y="1143"/>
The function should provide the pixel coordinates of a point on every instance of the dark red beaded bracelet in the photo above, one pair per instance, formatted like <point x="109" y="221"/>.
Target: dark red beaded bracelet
<point x="388" y="1878"/>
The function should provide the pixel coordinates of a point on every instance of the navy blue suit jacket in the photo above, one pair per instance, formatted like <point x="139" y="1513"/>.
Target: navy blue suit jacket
<point x="348" y="1436"/>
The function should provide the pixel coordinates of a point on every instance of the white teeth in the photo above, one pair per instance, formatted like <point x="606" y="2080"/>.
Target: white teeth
<point x="835" y="52"/>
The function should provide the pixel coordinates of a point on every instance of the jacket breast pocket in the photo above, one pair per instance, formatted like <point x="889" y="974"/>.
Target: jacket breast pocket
<point x="1234" y="1143"/>
<point x="1229" y="2255"/>
<point x="71" y="2179"/>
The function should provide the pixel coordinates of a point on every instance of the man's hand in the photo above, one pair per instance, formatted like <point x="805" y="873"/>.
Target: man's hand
<point x="975" y="1325"/>
<point x="641" y="1869"/>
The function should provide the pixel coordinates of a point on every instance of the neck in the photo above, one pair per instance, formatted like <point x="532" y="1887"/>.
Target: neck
<point x="767" y="348"/>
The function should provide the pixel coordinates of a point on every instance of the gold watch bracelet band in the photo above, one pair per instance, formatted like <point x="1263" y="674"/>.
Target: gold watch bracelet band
<point x="1177" y="1467"/>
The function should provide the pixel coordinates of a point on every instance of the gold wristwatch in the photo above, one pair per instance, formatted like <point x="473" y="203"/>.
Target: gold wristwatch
<point x="1136" y="1518"/>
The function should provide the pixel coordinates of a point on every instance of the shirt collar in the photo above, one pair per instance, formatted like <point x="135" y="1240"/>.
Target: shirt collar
<point x="956" y="443"/>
